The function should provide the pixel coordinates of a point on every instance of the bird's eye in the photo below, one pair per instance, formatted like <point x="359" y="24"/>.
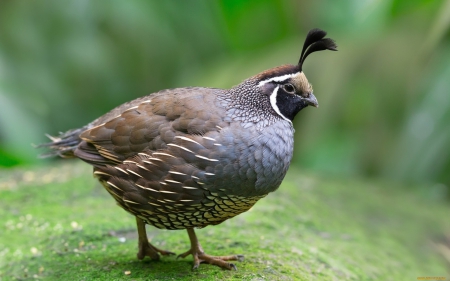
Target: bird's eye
<point x="289" y="88"/>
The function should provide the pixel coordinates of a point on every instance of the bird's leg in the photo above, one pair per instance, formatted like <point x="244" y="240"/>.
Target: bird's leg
<point x="199" y="255"/>
<point x="145" y="248"/>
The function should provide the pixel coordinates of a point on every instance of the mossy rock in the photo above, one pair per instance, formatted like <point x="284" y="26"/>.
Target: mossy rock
<point x="59" y="224"/>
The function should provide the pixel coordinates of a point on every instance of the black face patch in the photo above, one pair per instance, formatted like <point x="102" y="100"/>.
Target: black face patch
<point x="288" y="104"/>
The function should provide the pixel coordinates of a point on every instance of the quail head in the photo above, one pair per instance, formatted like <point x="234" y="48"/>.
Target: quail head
<point x="191" y="157"/>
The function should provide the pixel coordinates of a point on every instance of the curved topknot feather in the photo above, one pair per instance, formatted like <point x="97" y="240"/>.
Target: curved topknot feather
<point x="314" y="42"/>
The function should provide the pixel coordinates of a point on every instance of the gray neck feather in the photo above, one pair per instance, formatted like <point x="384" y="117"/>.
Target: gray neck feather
<point x="245" y="103"/>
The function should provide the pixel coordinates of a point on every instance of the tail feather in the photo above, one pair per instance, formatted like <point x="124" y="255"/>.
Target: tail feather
<point x="63" y="145"/>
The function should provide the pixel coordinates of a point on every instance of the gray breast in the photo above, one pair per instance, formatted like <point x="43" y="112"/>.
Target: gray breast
<point x="253" y="162"/>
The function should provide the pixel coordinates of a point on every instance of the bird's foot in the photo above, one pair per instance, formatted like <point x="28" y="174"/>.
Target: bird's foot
<point x="147" y="249"/>
<point x="220" y="261"/>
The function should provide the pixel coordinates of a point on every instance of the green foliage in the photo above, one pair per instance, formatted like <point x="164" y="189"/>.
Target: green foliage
<point x="383" y="97"/>
<point x="59" y="224"/>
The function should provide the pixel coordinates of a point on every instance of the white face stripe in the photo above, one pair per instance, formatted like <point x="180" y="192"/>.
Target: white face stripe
<point x="277" y="79"/>
<point x="273" y="102"/>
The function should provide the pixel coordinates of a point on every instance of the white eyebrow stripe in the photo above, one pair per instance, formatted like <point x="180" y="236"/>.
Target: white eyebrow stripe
<point x="277" y="79"/>
<point x="273" y="102"/>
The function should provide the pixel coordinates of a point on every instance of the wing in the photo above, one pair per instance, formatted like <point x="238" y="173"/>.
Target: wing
<point x="150" y="124"/>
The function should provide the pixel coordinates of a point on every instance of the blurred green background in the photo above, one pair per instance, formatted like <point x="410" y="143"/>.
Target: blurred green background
<point x="384" y="97"/>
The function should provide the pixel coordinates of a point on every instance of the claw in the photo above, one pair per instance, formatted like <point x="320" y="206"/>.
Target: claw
<point x="200" y="257"/>
<point x="164" y="252"/>
<point x="240" y="258"/>
<point x="195" y="267"/>
<point x="145" y="248"/>
<point x="185" y="254"/>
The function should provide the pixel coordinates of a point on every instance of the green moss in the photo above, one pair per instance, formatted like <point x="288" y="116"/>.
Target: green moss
<point x="59" y="224"/>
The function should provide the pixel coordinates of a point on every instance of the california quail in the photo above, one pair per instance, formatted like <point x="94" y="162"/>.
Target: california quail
<point x="193" y="157"/>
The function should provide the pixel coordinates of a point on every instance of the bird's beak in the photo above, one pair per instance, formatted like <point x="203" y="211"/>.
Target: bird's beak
<point x="311" y="100"/>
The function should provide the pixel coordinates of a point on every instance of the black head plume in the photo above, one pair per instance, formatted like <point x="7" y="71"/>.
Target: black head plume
<point x="314" y="42"/>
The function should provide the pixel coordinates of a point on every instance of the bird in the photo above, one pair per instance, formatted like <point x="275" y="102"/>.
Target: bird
<point x="191" y="157"/>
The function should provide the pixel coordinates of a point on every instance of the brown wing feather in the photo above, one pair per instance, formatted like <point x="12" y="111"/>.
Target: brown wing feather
<point x="149" y="124"/>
